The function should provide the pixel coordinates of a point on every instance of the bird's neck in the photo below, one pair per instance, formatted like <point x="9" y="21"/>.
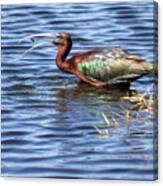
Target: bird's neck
<point x="62" y="54"/>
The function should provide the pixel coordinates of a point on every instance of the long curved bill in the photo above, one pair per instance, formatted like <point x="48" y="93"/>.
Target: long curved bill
<point x="31" y="37"/>
<point x="34" y="46"/>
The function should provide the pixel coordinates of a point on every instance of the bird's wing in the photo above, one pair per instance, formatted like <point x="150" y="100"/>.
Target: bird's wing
<point x="112" y="65"/>
<point x="104" y="64"/>
<point x="110" y="53"/>
<point x="99" y="54"/>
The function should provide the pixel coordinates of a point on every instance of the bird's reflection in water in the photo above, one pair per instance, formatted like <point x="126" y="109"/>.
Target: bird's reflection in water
<point x="83" y="104"/>
<point x="84" y="98"/>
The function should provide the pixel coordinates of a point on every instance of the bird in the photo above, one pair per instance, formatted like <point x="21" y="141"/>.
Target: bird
<point x="99" y="67"/>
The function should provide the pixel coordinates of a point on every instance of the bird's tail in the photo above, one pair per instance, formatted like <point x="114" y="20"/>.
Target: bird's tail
<point x="148" y="67"/>
<point x="143" y="67"/>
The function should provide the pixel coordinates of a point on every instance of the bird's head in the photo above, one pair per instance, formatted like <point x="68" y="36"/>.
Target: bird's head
<point x="62" y="39"/>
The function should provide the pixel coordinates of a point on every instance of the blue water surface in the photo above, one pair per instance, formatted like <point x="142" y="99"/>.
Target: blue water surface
<point x="49" y="117"/>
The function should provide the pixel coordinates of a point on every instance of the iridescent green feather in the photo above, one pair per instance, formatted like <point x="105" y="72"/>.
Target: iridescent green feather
<point x="114" y="69"/>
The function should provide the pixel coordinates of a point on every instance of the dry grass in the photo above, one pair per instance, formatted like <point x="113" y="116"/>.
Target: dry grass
<point x="141" y="109"/>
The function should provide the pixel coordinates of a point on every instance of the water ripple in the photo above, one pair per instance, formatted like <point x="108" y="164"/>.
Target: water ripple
<point x="48" y="117"/>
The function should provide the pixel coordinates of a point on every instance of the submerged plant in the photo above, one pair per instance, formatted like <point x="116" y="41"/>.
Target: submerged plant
<point x="140" y="110"/>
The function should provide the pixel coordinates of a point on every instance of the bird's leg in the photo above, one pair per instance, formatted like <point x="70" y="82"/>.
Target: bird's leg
<point x="101" y="84"/>
<point x="95" y="84"/>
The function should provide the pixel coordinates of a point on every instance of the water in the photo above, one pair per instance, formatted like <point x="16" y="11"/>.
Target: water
<point x="49" y="118"/>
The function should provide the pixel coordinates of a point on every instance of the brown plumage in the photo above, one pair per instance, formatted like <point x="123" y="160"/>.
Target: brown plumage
<point x="100" y="67"/>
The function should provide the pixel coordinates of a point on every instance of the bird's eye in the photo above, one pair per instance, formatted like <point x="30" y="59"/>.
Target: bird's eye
<point x="59" y="36"/>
